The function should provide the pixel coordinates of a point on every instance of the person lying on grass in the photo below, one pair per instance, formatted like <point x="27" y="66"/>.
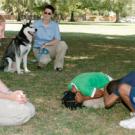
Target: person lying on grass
<point x="14" y="107"/>
<point x="124" y="89"/>
<point x="84" y="87"/>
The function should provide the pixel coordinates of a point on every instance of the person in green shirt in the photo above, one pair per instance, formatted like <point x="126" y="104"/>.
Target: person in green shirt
<point x="86" y="86"/>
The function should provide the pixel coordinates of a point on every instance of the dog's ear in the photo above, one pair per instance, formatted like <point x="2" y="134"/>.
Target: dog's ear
<point x="29" y="22"/>
<point x="24" y="22"/>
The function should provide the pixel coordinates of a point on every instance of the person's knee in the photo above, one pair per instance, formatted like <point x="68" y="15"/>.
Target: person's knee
<point x="27" y="112"/>
<point x="63" y="46"/>
<point x="14" y="113"/>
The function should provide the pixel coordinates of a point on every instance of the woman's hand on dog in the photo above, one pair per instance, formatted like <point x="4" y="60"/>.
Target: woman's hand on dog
<point x="18" y="96"/>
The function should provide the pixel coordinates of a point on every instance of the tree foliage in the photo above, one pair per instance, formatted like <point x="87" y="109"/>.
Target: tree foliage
<point x="21" y="8"/>
<point x="117" y="6"/>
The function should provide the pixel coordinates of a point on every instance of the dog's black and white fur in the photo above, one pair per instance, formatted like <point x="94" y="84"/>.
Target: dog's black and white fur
<point x="18" y="49"/>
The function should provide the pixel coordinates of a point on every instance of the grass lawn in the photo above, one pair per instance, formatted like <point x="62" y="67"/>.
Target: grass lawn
<point x="114" y="55"/>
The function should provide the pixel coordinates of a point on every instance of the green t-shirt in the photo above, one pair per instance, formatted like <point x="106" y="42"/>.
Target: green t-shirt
<point x="88" y="83"/>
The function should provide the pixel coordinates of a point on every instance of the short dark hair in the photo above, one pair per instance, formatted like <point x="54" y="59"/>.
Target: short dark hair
<point x="112" y="86"/>
<point x="50" y="7"/>
<point x="69" y="100"/>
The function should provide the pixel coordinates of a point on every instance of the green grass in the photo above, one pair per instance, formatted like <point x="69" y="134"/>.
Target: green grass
<point x="114" y="55"/>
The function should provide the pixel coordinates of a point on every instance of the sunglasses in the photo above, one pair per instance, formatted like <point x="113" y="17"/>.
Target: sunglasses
<point x="47" y="13"/>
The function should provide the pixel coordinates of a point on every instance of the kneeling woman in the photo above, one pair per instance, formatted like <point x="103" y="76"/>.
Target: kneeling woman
<point x="14" y="107"/>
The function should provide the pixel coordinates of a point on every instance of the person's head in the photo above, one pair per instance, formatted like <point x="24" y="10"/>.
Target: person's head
<point x="112" y="86"/>
<point x="69" y="100"/>
<point x="48" y="12"/>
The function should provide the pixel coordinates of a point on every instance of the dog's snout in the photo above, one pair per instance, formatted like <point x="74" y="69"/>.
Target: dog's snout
<point x="35" y="29"/>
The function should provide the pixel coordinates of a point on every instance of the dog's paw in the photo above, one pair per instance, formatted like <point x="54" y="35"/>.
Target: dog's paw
<point x="27" y="71"/>
<point x="19" y="72"/>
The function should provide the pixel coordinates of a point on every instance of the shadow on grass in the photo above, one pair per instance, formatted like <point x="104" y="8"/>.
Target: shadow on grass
<point x="113" y="55"/>
<point x="94" y="52"/>
<point x="99" y="39"/>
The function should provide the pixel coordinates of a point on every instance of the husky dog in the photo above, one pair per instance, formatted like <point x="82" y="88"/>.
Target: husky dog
<point x="18" y="49"/>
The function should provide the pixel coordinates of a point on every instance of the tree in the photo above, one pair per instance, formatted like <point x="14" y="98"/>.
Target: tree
<point x="24" y="8"/>
<point x="117" y="6"/>
<point x="19" y="8"/>
<point x="68" y="6"/>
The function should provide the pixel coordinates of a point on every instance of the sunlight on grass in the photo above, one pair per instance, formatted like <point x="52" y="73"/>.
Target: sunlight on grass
<point x="127" y="48"/>
<point x="79" y="57"/>
<point x="110" y="37"/>
<point x="39" y="100"/>
<point x="127" y="61"/>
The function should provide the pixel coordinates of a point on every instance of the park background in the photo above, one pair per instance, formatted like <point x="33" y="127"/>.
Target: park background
<point x="94" y="45"/>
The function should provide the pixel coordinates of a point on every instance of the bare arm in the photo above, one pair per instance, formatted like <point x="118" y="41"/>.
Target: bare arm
<point x="51" y="43"/>
<point x="17" y="95"/>
<point x="14" y="96"/>
<point x="9" y="96"/>
<point x="109" y="100"/>
<point x="80" y="98"/>
<point x="3" y="87"/>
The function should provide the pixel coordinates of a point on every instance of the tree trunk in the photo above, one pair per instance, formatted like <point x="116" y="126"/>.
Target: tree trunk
<point x="117" y="17"/>
<point x="72" y="17"/>
<point x="18" y="17"/>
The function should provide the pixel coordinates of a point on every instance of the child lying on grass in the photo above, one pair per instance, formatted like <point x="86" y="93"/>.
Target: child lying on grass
<point x="85" y="87"/>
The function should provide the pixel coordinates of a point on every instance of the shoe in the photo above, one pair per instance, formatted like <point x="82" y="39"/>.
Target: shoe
<point x="59" y="69"/>
<point x="40" y="66"/>
<point x="129" y="123"/>
<point x="132" y="114"/>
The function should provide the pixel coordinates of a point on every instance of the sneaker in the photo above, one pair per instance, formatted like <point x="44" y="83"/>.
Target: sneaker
<point x="132" y="114"/>
<point x="129" y="123"/>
